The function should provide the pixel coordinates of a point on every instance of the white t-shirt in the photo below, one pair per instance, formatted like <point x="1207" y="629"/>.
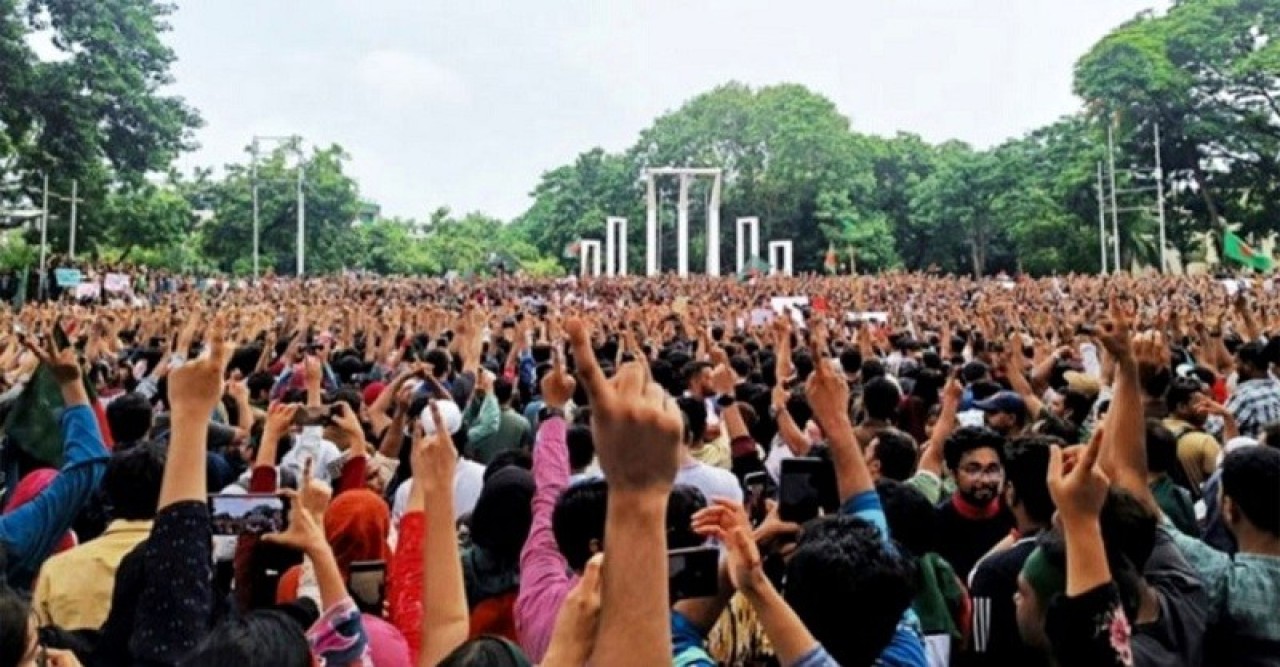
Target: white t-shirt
<point x="310" y="443"/>
<point x="713" y="482"/>
<point x="468" y="480"/>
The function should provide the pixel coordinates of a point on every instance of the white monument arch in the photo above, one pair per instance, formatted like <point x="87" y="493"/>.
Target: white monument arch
<point x="753" y="225"/>
<point x="615" y="247"/>
<point x="780" y="264"/>
<point x="652" y="262"/>
<point x="589" y="248"/>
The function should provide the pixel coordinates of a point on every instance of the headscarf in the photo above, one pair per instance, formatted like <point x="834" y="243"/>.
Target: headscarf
<point x="503" y="515"/>
<point x="357" y="525"/>
<point x="387" y="646"/>
<point x="27" y="490"/>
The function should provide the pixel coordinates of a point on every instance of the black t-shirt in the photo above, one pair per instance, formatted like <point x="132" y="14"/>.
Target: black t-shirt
<point x="963" y="540"/>
<point x="996" y="641"/>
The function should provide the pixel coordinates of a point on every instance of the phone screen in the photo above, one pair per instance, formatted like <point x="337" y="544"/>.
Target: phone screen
<point x="367" y="584"/>
<point x="248" y="514"/>
<point x="693" y="573"/>
<point x="756" y="485"/>
<point x="806" y="486"/>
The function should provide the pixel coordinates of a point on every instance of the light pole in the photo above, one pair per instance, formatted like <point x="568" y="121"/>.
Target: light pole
<point x="1164" y="263"/>
<point x="296" y="143"/>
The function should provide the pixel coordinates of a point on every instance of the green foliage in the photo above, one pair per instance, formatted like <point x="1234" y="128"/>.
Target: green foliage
<point x="16" y="253"/>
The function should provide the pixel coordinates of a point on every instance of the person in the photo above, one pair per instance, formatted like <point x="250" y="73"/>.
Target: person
<point x="490" y="566"/>
<point x="1243" y="628"/>
<point x="1198" y="451"/>
<point x="1005" y="413"/>
<point x="513" y="429"/>
<point x="29" y="533"/>
<point x="20" y="643"/>
<point x="1162" y="457"/>
<point x="994" y="580"/>
<point x="1255" y="403"/>
<point x="74" y="588"/>
<point x="973" y="519"/>
<point x="712" y="481"/>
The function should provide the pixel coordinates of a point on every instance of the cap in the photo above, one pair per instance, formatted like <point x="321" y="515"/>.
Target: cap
<point x="449" y="412"/>
<point x="372" y="391"/>
<point x="1083" y="383"/>
<point x="1254" y="353"/>
<point x="1004" y="401"/>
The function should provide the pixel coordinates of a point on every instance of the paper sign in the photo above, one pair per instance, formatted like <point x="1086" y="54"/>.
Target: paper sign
<point x="116" y="282"/>
<point x="87" y="291"/>
<point x="761" y="317"/>
<point x="67" y="277"/>
<point x="680" y="306"/>
<point x="877" y="316"/>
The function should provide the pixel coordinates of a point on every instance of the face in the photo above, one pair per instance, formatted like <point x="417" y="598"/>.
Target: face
<point x="1030" y="615"/>
<point x="1001" y="422"/>
<point x="873" y="458"/>
<point x="979" y="476"/>
<point x="1058" y="406"/>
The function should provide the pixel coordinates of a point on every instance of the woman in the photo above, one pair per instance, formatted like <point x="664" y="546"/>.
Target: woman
<point x="491" y="566"/>
<point x="20" y="641"/>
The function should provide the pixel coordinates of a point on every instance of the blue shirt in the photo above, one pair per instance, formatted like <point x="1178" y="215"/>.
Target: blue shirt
<point x="30" y="532"/>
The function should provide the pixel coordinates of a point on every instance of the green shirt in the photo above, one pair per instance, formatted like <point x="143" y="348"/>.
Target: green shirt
<point x="513" y="433"/>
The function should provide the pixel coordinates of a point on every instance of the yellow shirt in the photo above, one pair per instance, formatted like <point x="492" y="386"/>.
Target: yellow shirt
<point x="1197" y="451"/>
<point x="74" y="588"/>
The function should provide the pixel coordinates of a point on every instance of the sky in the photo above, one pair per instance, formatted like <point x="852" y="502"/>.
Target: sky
<point x="466" y="104"/>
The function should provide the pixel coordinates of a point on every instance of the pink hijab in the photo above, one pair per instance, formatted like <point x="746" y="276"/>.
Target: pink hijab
<point x="27" y="490"/>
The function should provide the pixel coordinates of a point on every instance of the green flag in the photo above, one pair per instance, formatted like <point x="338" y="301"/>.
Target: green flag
<point x="1235" y="248"/>
<point x="32" y="422"/>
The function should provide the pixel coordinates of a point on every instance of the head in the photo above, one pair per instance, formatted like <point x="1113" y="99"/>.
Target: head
<point x="486" y="651"/>
<point x="1039" y="581"/>
<point x="503" y="390"/>
<point x="258" y="639"/>
<point x="1181" y="400"/>
<point x="357" y="525"/>
<point x="1006" y="412"/>
<point x="1252" y="361"/>
<point x="578" y="522"/>
<point x="1162" y="448"/>
<point x="892" y="454"/>
<point x="132" y="481"/>
<point x="1250" y="477"/>
<point x="684" y="501"/>
<point x="974" y="455"/>
<point x="695" y="419"/>
<point x="582" y="449"/>
<point x="19" y="640"/>
<point x="842" y="558"/>
<point x="880" y="398"/>
<point x="502" y="517"/>
<point x="441" y="363"/>
<point x="851" y="362"/>
<point x="910" y="516"/>
<point x="129" y="418"/>
<point x="698" y="379"/>
<point x="1026" y="466"/>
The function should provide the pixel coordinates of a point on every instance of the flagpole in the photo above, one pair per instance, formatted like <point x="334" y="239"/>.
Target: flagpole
<point x="1115" y="209"/>
<point x="1102" y="219"/>
<point x="1164" y="263"/>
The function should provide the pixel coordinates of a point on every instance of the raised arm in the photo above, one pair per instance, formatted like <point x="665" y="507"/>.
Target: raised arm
<point x="828" y="395"/>
<point x="1124" y="452"/>
<point x="637" y="430"/>
<point x="445" y="621"/>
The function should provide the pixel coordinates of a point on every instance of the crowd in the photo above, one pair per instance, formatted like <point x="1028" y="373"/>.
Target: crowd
<point x="902" y="470"/>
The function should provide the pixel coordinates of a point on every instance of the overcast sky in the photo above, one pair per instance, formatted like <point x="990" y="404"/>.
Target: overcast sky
<point x="465" y="104"/>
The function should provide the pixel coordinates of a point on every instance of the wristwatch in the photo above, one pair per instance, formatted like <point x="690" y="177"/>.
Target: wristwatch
<point x="547" y="413"/>
<point x="725" y="400"/>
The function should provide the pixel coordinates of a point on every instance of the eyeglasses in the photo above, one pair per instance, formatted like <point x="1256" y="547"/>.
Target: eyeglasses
<point x="975" y="470"/>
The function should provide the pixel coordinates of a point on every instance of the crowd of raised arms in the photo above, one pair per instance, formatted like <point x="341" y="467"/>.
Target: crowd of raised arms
<point x="901" y="470"/>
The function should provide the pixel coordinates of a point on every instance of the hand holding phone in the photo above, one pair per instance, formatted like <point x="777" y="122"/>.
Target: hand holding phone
<point x="806" y="486"/>
<point x="693" y="573"/>
<point x="235" y="514"/>
<point x="367" y="584"/>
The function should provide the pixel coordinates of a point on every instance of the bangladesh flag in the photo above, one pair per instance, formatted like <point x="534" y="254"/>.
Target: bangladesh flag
<point x="572" y="250"/>
<point x="1235" y="248"/>
<point x="830" y="262"/>
<point x="32" y="422"/>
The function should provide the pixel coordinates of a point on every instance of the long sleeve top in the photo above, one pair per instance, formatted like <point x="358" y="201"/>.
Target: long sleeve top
<point x="30" y="532"/>
<point x="545" y="579"/>
<point x="404" y="588"/>
<point x="338" y="638"/>
<point x="176" y="602"/>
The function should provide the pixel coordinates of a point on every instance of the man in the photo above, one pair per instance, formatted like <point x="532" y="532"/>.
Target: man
<point x="973" y="520"/>
<point x="1198" y="451"/>
<point x="1256" y="401"/>
<point x="712" y="481"/>
<point x="1243" y="626"/>
<point x="513" y="431"/>
<point x="994" y="580"/>
<point x="1162" y="458"/>
<point x="1006" y="413"/>
<point x="880" y="401"/>
<point x="74" y="588"/>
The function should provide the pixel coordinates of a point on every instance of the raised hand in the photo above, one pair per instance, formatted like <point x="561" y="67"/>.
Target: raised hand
<point x="195" y="387"/>
<point x="1080" y="493"/>
<point x="61" y="362"/>
<point x="578" y="620"/>
<point x="1116" y="333"/>
<point x="828" y="395"/>
<point x="557" y="386"/>
<point x="727" y="522"/>
<point x="637" y="427"/>
<point x="434" y="457"/>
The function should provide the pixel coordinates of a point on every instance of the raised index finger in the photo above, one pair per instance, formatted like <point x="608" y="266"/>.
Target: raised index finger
<point x="584" y="358"/>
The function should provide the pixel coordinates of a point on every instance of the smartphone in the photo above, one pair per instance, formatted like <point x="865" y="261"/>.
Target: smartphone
<point x="805" y="486"/>
<point x="313" y="415"/>
<point x="248" y="514"/>
<point x="367" y="584"/>
<point x="693" y="573"/>
<point x="756" y="486"/>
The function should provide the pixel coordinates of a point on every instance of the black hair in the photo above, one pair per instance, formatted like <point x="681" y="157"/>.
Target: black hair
<point x="129" y="418"/>
<point x="258" y="639"/>
<point x="741" y="365"/>
<point x="880" y="398"/>
<point x="1181" y="392"/>
<point x="910" y="516"/>
<point x="1026" y="468"/>
<point x="803" y="363"/>
<point x="1250" y="477"/>
<point x="347" y="395"/>
<point x="1057" y="427"/>
<point x="851" y="360"/>
<point x="519" y="458"/>
<point x="969" y="438"/>
<point x="684" y="501"/>
<point x="502" y="516"/>
<point x="582" y="450"/>
<point x="1078" y="405"/>
<point x="1128" y="527"/>
<point x="841" y="558"/>
<point x="260" y="383"/>
<point x="871" y="369"/>
<point x="486" y="651"/>
<point x="440" y="362"/>
<point x="132" y="481"/>
<point x="15" y="619"/>
<point x="695" y="418"/>
<point x="1271" y="435"/>
<point x="897" y="453"/>
<point x="1162" y="448"/>
<point x="578" y="518"/>
<point x="984" y="389"/>
<point x="503" y="390"/>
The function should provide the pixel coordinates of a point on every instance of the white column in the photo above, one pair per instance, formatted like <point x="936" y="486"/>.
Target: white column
<point x="784" y="266"/>
<point x="590" y="248"/>
<point x="651" y="227"/>
<point x="752" y="225"/>
<point x="610" y="246"/>
<point x="622" y="246"/>
<point x="682" y="228"/>
<point x="713" y="229"/>
<point x="615" y="248"/>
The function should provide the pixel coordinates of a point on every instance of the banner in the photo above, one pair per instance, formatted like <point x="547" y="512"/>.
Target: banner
<point x="88" y="291"/>
<point x="116" y="282"/>
<point x="67" y="277"/>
